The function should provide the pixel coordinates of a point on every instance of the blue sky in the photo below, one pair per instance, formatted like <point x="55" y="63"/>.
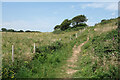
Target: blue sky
<point x="43" y="16"/>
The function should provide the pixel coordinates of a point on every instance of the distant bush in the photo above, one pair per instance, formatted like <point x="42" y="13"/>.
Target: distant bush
<point x="7" y="30"/>
<point x="106" y="21"/>
<point x="57" y="32"/>
<point x="4" y="29"/>
<point x="27" y="31"/>
<point x="21" y="31"/>
<point x="103" y="20"/>
<point x="12" y="30"/>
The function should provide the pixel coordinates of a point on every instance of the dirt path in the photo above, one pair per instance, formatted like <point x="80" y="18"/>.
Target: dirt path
<point x="73" y="59"/>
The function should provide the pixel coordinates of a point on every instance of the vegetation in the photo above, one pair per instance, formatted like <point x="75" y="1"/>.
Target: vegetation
<point x="78" y="21"/>
<point x="98" y="57"/>
<point x="12" y="30"/>
<point x="107" y="21"/>
<point x="50" y="52"/>
<point x="64" y="25"/>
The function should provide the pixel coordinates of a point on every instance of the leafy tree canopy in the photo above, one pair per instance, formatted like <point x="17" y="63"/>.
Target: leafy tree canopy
<point x="79" y="19"/>
<point x="57" y="27"/>
<point x="65" y="24"/>
<point x="4" y="29"/>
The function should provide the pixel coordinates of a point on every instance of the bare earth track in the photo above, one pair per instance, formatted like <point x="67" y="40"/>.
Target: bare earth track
<point x="73" y="59"/>
<point x="69" y="68"/>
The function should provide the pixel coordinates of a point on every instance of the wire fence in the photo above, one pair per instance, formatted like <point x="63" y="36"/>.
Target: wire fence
<point x="34" y="44"/>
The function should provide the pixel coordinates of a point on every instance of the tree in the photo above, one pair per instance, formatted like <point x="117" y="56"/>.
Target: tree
<point x="21" y="31"/>
<point x="65" y="24"/>
<point x="78" y="20"/>
<point x="103" y="20"/>
<point x="10" y="30"/>
<point x="27" y="31"/>
<point x="57" y="27"/>
<point x="4" y="29"/>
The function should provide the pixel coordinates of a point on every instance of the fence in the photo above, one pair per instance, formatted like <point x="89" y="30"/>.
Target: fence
<point x="34" y="45"/>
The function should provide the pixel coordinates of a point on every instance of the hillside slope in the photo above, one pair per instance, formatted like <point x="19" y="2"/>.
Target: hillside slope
<point x="98" y="57"/>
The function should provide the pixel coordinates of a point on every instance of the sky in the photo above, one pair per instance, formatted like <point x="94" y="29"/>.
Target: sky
<point x="60" y="0"/>
<point x="44" y="16"/>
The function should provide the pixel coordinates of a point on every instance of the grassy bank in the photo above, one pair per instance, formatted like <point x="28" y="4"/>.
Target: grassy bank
<point x="98" y="57"/>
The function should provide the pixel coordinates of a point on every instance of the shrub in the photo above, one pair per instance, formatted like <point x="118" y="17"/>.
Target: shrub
<point x="27" y="31"/>
<point x="4" y="29"/>
<point x="21" y="31"/>
<point x="57" y="32"/>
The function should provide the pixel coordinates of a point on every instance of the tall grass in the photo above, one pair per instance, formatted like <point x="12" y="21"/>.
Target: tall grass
<point x="99" y="56"/>
<point x="50" y="53"/>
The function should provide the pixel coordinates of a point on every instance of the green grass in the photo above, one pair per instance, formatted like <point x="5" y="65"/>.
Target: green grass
<point x="98" y="59"/>
<point x="23" y="42"/>
<point x="50" y="53"/>
<point x="47" y="63"/>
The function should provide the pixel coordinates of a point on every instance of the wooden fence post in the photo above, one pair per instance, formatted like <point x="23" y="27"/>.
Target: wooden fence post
<point x="60" y="39"/>
<point x="12" y="53"/>
<point x="34" y="49"/>
<point x="70" y="37"/>
<point x="76" y="35"/>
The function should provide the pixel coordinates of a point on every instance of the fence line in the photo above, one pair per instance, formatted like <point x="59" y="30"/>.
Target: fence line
<point x="76" y="35"/>
<point x="12" y="53"/>
<point x="60" y="39"/>
<point x="70" y="37"/>
<point x="34" y="47"/>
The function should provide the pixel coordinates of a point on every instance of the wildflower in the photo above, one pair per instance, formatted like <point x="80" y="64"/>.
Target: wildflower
<point x="113" y="38"/>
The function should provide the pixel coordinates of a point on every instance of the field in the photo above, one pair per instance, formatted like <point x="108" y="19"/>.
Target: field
<point x="97" y="58"/>
<point x="24" y="42"/>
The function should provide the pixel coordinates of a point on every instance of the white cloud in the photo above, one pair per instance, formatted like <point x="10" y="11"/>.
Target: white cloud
<point x="93" y="5"/>
<point x="106" y="6"/>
